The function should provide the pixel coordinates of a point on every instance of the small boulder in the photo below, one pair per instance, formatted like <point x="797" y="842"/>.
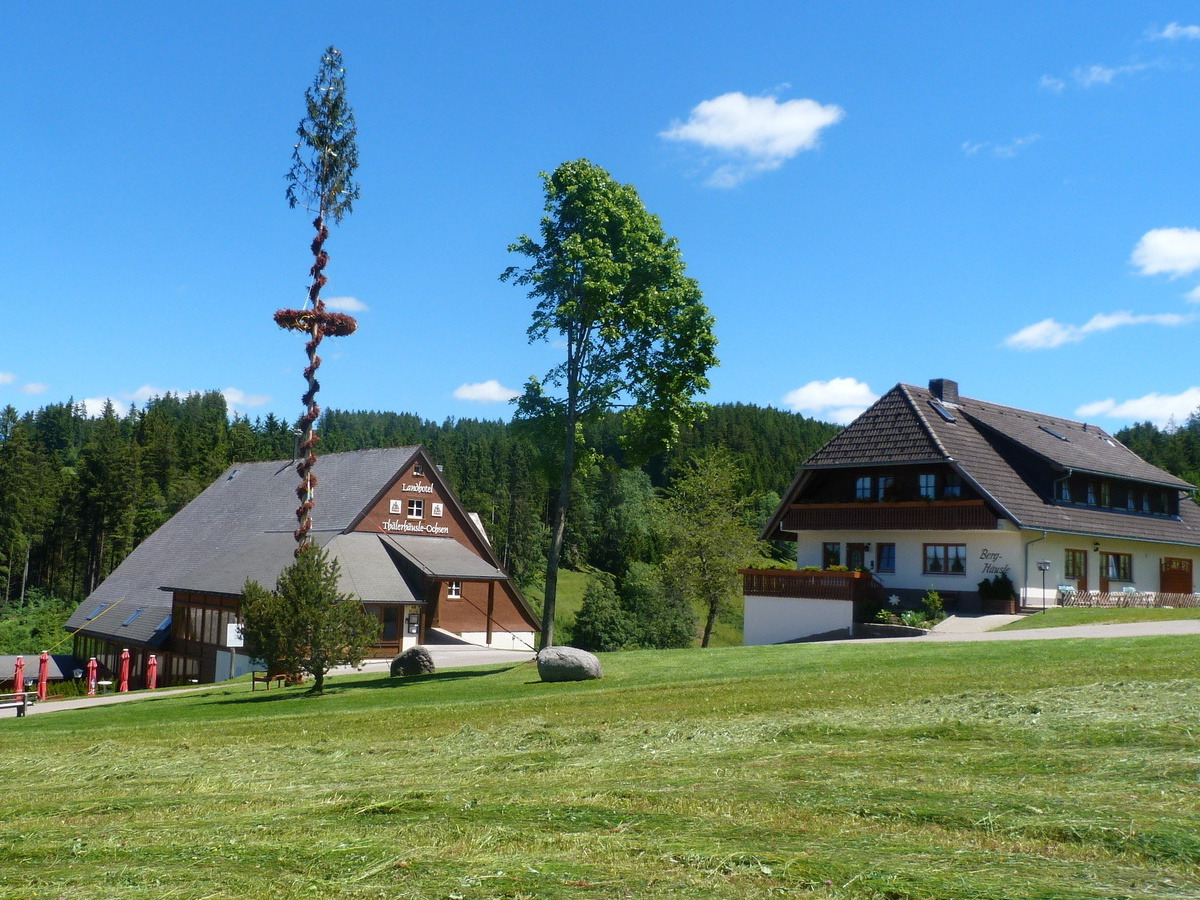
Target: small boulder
<point x="413" y="661"/>
<point x="567" y="664"/>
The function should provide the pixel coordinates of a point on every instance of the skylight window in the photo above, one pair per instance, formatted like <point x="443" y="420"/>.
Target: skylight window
<point x="132" y="616"/>
<point x="99" y="609"/>
<point x="166" y="623"/>
<point x="941" y="410"/>
<point x="1050" y="431"/>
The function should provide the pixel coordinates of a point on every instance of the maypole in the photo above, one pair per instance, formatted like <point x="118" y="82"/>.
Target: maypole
<point x="320" y="180"/>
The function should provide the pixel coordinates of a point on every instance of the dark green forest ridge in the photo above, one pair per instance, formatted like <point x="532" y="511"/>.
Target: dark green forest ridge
<point x="77" y="494"/>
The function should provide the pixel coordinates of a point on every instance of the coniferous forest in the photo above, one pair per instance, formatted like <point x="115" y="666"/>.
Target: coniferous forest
<point x="78" y="493"/>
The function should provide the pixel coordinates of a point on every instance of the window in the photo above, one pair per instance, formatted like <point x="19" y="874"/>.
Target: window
<point x="862" y="488"/>
<point x="132" y="616"/>
<point x="945" y="559"/>
<point x="416" y="509"/>
<point x="1117" y="566"/>
<point x="831" y="555"/>
<point x="885" y="488"/>
<point x="1091" y="493"/>
<point x="952" y="489"/>
<point x="99" y="609"/>
<point x="885" y="557"/>
<point x="1145" y="502"/>
<point x="1075" y="566"/>
<point x="1105" y="494"/>
<point x="435" y="509"/>
<point x="454" y="590"/>
<point x="927" y="488"/>
<point x="1064" y="491"/>
<point x="418" y="470"/>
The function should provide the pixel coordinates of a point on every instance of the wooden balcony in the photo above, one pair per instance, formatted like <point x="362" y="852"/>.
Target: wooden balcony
<point x="819" y="585"/>
<point x="910" y="515"/>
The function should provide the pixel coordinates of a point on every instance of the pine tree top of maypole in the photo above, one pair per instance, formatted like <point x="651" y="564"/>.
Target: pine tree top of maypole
<point x="321" y="180"/>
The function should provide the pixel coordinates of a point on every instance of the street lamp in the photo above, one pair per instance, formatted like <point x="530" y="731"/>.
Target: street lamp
<point x="1044" y="566"/>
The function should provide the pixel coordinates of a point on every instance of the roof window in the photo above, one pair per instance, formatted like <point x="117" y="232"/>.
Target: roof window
<point x="99" y="609"/>
<point x="165" y="624"/>
<point x="941" y="410"/>
<point x="1050" y="431"/>
<point x="132" y="616"/>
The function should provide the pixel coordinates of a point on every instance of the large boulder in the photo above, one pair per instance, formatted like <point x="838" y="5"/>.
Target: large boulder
<point x="567" y="664"/>
<point x="413" y="661"/>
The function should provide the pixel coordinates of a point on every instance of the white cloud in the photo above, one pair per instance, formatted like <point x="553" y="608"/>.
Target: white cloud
<point x="1052" y="84"/>
<point x="1175" y="32"/>
<point x="1171" y="251"/>
<point x="35" y="387"/>
<point x="346" y="304"/>
<point x="239" y="401"/>
<point x="1193" y="296"/>
<point x="1050" y="333"/>
<point x="1156" y="408"/>
<point x="839" y="400"/>
<point x="1090" y="76"/>
<point x="94" y="406"/>
<point x="7" y="377"/>
<point x="1003" y="151"/>
<point x="486" y="392"/>
<point x="759" y="133"/>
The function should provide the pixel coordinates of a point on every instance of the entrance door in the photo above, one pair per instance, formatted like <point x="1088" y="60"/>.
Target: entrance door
<point x="1175" y="575"/>
<point x="1076" y="567"/>
<point x="856" y="557"/>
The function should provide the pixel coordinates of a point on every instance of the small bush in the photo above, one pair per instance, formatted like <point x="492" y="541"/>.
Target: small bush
<point x="601" y="625"/>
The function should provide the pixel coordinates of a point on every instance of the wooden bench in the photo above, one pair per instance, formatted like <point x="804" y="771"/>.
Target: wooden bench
<point x="260" y="677"/>
<point x="20" y="701"/>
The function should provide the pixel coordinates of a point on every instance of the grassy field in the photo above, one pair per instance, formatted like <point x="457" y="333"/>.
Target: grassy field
<point x="1061" y="617"/>
<point x="1064" y="769"/>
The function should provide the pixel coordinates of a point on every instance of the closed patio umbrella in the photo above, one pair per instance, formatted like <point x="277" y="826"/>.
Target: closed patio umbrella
<point x="43" y="673"/>
<point x="123" y="680"/>
<point x="152" y="672"/>
<point x="93" y="670"/>
<point x="19" y="674"/>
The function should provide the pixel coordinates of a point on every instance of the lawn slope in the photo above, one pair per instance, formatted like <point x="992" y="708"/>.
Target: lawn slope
<point x="1064" y="769"/>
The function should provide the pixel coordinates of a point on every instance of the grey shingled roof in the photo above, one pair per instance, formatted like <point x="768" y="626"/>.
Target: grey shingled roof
<point x="245" y="503"/>
<point x="443" y="558"/>
<point x="983" y="442"/>
<point x="61" y="667"/>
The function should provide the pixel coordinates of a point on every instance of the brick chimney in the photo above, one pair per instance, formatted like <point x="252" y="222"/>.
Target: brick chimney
<point x="944" y="389"/>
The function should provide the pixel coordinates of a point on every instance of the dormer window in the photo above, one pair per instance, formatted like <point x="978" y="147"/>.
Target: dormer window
<point x="952" y="489"/>
<point x="862" y="488"/>
<point x="418" y="470"/>
<point x="927" y="486"/>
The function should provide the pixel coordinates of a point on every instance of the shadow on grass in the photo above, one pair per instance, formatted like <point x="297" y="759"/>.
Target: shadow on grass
<point x="334" y="689"/>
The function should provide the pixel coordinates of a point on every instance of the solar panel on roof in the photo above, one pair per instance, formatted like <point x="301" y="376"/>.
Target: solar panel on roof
<point x="1050" y="431"/>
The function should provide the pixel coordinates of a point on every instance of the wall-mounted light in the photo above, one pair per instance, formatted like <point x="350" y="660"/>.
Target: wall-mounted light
<point x="1096" y="546"/>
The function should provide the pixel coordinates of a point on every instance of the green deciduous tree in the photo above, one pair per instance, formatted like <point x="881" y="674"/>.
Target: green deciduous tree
<point x="705" y="517"/>
<point x="610" y="285"/>
<point x="306" y="624"/>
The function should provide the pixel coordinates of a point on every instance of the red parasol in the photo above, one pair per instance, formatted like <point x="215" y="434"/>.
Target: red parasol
<point x="43" y="673"/>
<point x="19" y="674"/>
<point x="93" y="670"/>
<point x="152" y="672"/>
<point x="123" y="681"/>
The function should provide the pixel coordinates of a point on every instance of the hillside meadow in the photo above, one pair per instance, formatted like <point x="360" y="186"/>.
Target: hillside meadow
<point x="1051" y="769"/>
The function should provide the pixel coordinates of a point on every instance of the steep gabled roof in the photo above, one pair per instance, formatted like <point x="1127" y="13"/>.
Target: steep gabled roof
<point x="250" y="504"/>
<point x="984" y="442"/>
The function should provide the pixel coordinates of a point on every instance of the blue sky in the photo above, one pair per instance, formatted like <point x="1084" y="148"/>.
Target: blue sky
<point x="1005" y="194"/>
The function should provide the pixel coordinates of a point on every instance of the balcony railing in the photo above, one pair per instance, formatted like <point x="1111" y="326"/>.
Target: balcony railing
<point x="813" y="585"/>
<point x="908" y="515"/>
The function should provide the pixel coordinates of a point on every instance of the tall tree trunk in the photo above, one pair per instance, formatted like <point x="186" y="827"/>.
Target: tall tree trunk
<point x="708" y="623"/>
<point x="557" y="536"/>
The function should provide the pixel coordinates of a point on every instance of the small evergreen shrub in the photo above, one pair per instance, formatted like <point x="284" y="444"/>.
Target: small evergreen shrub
<point x="601" y="625"/>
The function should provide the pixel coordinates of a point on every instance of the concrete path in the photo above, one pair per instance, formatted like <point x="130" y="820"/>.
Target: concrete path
<point x="445" y="656"/>
<point x="976" y="628"/>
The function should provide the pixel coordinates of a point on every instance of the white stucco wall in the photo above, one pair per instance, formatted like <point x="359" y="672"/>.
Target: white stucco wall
<point x="774" y="620"/>
<point x="501" y="640"/>
<point x="988" y="552"/>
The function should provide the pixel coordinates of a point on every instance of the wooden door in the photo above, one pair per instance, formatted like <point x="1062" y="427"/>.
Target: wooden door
<point x="856" y="557"/>
<point x="1077" y="568"/>
<point x="1175" y="575"/>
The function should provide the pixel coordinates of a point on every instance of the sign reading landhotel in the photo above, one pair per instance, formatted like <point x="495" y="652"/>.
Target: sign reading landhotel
<point x="416" y="488"/>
